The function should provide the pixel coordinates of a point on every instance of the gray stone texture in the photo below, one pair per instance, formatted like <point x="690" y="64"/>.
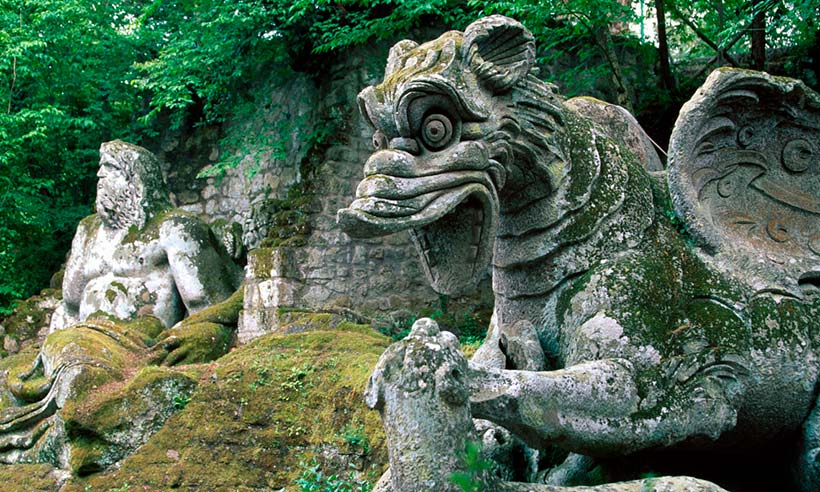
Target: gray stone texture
<point x="745" y="174"/>
<point x="136" y="256"/>
<point x="136" y="260"/>
<point x="424" y="389"/>
<point x="266" y="146"/>
<point x="655" y="336"/>
<point x="618" y="124"/>
<point x="378" y="276"/>
<point x="271" y="144"/>
<point x="419" y="387"/>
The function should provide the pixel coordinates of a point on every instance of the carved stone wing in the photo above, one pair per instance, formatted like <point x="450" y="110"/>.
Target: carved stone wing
<point x="744" y="174"/>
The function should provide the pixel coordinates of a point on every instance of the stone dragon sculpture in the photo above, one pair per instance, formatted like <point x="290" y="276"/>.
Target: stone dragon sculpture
<point x="614" y="331"/>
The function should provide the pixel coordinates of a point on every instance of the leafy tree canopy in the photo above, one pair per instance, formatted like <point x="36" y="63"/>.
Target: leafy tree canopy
<point x="63" y="90"/>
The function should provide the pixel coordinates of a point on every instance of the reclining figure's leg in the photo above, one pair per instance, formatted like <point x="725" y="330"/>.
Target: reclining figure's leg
<point x="70" y="363"/>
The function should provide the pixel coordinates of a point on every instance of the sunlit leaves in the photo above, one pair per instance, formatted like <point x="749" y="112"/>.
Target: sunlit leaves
<point x="62" y="67"/>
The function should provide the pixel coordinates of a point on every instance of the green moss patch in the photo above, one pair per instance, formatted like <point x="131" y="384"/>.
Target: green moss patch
<point x="224" y="313"/>
<point x="29" y="478"/>
<point x="12" y="366"/>
<point x="290" y="224"/>
<point x="110" y="424"/>
<point x="256" y="415"/>
<point x="30" y="316"/>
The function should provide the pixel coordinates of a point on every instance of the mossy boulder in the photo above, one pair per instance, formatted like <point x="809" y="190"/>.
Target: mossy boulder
<point x="258" y="417"/>
<point x="111" y="424"/>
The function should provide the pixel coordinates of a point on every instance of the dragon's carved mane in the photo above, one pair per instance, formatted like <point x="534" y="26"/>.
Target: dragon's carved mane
<point x="577" y="182"/>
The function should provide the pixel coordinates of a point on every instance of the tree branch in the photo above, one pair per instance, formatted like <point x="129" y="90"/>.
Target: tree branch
<point x="758" y="34"/>
<point x="703" y="37"/>
<point x="604" y="40"/>
<point x="667" y="79"/>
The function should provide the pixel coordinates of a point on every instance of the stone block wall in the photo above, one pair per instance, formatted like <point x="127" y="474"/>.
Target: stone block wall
<point x="374" y="277"/>
<point x="266" y="145"/>
<point x="325" y="269"/>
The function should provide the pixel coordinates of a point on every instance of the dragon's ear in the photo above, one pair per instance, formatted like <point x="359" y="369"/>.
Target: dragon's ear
<point x="499" y="50"/>
<point x="398" y="53"/>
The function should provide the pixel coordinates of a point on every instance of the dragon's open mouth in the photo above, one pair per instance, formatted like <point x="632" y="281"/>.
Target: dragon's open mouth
<point x="452" y="217"/>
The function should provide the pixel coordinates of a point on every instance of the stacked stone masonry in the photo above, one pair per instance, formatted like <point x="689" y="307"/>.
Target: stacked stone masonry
<point x="375" y="277"/>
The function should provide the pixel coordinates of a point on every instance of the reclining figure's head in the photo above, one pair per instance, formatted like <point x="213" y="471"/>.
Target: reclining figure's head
<point x="130" y="189"/>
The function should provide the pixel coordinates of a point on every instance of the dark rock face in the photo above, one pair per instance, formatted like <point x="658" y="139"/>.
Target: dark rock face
<point x="660" y="333"/>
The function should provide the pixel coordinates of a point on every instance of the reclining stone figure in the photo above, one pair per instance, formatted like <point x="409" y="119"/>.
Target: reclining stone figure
<point x="135" y="259"/>
<point x="615" y="330"/>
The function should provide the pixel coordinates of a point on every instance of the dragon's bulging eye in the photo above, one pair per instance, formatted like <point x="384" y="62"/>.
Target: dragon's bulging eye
<point x="379" y="140"/>
<point x="436" y="131"/>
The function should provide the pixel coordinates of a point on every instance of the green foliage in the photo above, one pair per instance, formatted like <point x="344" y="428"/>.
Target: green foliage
<point x="341" y="24"/>
<point x="312" y="479"/>
<point x="76" y="73"/>
<point x="180" y="401"/>
<point x="677" y="222"/>
<point x="468" y="323"/>
<point x="356" y="437"/>
<point x="396" y="327"/>
<point x="62" y="67"/>
<point x="208" y="52"/>
<point x="262" y="378"/>
<point x="788" y="23"/>
<point x="295" y="381"/>
<point x="476" y="474"/>
<point x="568" y="29"/>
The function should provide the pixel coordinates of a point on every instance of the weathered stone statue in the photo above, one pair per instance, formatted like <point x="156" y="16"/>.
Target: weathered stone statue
<point x="137" y="256"/>
<point x="136" y="259"/>
<point x="615" y="330"/>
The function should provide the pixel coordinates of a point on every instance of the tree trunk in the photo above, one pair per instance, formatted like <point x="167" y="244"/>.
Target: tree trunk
<point x="722" y="26"/>
<point x="758" y="31"/>
<point x="13" y="80"/>
<point x="604" y="39"/>
<point x="667" y="81"/>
